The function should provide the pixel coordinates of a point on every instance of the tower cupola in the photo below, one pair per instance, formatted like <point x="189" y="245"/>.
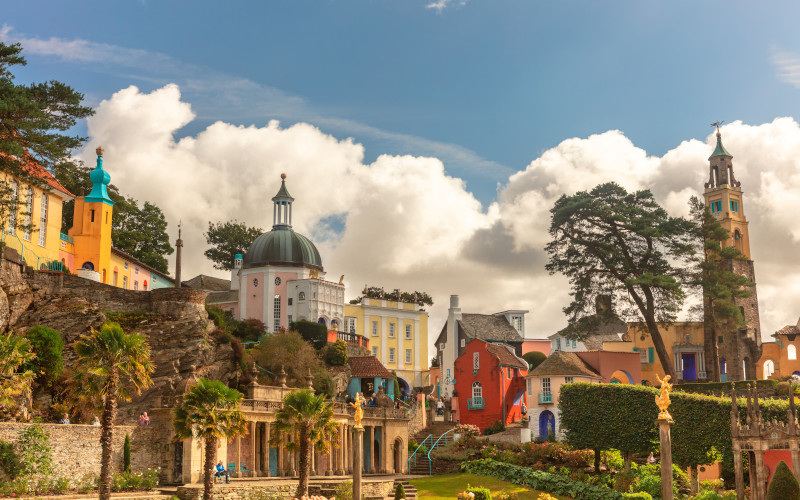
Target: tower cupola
<point x="721" y="166"/>
<point x="282" y="209"/>
<point x="100" y="180"/>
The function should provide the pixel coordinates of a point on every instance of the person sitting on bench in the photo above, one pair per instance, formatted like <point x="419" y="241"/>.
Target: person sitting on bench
<point x="222" y="471"/>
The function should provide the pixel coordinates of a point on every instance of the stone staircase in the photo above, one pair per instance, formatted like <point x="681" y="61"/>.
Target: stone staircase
<point x="411" y="491"/>
<point x="422" y="465"/>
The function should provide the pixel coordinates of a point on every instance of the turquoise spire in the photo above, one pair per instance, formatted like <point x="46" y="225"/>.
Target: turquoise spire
<point x="100" y="180"/>
<point x="720" y="149"/>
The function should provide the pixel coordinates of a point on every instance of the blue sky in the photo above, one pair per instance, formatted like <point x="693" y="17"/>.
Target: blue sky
<point x="467" y="118"/>
<point x="503" y="79"/>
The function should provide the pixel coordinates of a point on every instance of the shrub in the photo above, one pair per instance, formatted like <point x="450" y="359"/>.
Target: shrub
<point x="126" y="454"/>
<point x="494" y="428"/>
<point x="35" y="453"/>
<point x="534" y="358"/>
<point x="713" y="495"/>
<point x="467" y="431"/>
<point x="238" y="349"/>
<point x="316" y="333"/>
<point x="480" y="493"/>
<point x="323" y="383"/>
<point x="344" y="491"/>
<point x="399" y="492"/>
<point x="336" y="354"/>
<point x="783" y="485"/>
<point x="712" y="484"/>
<point x="48" y="346"/>
<point x="127" y="481"/>
<point x="9" y="461"/>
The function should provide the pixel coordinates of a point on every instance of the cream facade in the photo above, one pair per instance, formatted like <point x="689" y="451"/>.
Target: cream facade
<point x="397" y="333"/>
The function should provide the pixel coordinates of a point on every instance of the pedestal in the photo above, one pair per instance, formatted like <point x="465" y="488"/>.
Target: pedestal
<point x="666" y="458"/>
<point x="358" y="461"/>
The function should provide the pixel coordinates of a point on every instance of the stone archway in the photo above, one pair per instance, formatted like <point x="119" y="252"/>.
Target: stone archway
<point x="547" y="423"/>
<point x="397" y="453"/>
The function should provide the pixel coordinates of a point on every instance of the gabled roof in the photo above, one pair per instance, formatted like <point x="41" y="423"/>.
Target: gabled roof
<point x="788" y="330"/>
<point x="210" y="283"/>
<point x="367" y="366"/>
<point x="37" y="171"/>
<point x="564" y="363"/>
<point x="488" y="327"/>
<point x="506" y="356"/>
<point x="222" y="297"/>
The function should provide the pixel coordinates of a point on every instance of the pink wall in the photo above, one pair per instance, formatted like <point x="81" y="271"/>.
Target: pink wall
<point x="772" y="457"/>
<point x="282" y="291"/>
<point x="255" y="297"/>
<point x="68" y="259"/>
<point x="607" y="362"/>
<point x="542" y="346"/>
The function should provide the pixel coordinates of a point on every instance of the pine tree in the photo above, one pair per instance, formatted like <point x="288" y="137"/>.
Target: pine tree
<point x="126" y="454"/>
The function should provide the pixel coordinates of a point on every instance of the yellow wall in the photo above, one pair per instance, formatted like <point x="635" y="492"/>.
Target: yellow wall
<point x="675" y="333"/>
<point x="384" y="314"/>
<point x="92" y="238"/>
<point x="32" y="249"/>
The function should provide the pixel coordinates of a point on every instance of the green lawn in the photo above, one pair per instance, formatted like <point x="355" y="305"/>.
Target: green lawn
<point x="447" y="486"/>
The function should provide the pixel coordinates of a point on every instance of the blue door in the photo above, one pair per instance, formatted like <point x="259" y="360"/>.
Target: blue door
<point x="689" y="369"/>
<point x="547" y="423"/>
<point x="273" y="462"/>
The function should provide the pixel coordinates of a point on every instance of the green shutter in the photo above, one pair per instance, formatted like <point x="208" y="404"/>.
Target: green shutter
<point x="635" y="349"/>
<point x="650" y="355"/>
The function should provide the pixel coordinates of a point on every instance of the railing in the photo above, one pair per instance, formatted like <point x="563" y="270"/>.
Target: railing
<point x="11" y="240"/>
<point x="66" y="237"/>
<point x="430" y="468"/>
<point x="475" y="403"/>
<point x="420" y="446"/>
<point x="546" y="398"/>
<point x="353" y="338"/>
<point x="52" y="267"/>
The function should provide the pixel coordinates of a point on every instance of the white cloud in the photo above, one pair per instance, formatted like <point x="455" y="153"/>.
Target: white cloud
<point x="408" y="224"/>
<point x="440" y="5"/>
<point x="788" y="66"/>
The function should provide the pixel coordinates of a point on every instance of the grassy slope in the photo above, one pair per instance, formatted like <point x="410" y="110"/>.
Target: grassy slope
<point x="447" y="486"/>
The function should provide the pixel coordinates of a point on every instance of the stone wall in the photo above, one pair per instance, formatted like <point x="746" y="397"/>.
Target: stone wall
<point x="244" y="490"/>
<point x="76" y="448"/>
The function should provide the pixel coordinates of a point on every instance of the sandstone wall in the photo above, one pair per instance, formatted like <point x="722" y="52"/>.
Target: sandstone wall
<point x="370" y="489"/>
<point x="76" y="448"/>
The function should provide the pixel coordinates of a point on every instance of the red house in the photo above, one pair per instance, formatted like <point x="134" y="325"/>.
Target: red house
<point x="490" y="383"/>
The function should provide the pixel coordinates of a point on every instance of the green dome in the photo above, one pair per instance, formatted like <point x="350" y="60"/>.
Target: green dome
<point x="282" y="247"/>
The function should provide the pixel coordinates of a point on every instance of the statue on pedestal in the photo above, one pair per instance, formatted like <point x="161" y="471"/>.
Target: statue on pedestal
<point x="662" y="400"/>
<point x="359" y="415"/>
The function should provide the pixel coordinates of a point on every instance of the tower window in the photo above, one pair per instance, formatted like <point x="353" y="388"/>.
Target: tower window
<point x="734" y="206"/>
<point x="92" y="215"/>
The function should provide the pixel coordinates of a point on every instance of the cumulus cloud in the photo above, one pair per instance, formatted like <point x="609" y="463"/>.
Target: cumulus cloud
<point x="403" y="221"/>
<point x="440" y="5"/>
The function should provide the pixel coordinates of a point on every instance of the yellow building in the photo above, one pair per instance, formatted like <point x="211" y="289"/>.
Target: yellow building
<point x="685" y="347"/>
<point x="397" y="333"/>
<point x="34" y="228"/>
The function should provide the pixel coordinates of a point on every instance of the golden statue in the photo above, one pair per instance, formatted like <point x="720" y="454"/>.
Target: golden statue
<point x="313" y="273"/>
<point x="341" y="280"/>
<point x="662" y="400"/>
<point x="359" y="415"/>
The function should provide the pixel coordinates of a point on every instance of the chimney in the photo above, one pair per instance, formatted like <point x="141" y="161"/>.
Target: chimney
<point x="454" y="302"/>
<point x="178" y="246"/>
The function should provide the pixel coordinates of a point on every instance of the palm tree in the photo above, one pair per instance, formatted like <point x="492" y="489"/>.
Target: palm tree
<point x="15" y="351"/>
<point x="210" y="410"/>
<point x="310" y="418"/>
<point x="112" y="362"/>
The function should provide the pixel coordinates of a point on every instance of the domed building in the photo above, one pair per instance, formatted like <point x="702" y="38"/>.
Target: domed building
<point x="280" y="278"/>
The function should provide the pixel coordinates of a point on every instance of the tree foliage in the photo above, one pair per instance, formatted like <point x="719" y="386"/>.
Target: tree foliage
<point x="34" y="120"/>
<point x="783" y="485"/>
<point x="309" y="420"/>
<point x="336" y="354"/>
<point x="210" y="411"/>
<point x="311" y="331"/>
<point x="48" y="346"/>
<point x="112" y="364"/>
<point x="611" y="242"/>
<point x="288" y="351"/>
<point x="228" y="239"/>
<point x="15" y="381"/>
<point x="374" y="292"/>
<point x="534" y="358"/>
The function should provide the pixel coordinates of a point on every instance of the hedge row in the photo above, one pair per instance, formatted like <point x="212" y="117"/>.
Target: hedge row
<point x="722" y="387"/>
<point x="605" y="416"/>
<point x="545" y="481"/>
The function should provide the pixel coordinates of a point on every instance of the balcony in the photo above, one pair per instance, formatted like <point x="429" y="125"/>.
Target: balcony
<point x="475" y="403"/>
<point x="546" y="398"/>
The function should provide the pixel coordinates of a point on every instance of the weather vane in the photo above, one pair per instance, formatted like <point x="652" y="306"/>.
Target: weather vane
<point x="718" y="124"/>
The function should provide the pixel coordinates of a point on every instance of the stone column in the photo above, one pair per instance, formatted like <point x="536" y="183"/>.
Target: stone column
<point x="238" y="465"/>
<point x="666" y="458"/>
<point x="739" y="471"/>
<point x="385" y="449"/>
<point x="265" y="459"/>
<point x="329" y="468"/>
<point x="348" y="436"/>
<point x="252" y="464"/>
<point x="340" y="466"/>
<point x="760" y="488"/>
<point x="796" y="461"/>
<point x="358" y="458"/>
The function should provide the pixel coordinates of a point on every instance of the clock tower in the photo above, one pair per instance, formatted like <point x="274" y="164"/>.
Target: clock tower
<point x="737" y="349"/>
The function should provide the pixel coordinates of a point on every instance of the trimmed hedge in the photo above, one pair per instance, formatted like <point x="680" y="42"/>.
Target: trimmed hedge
<point x="545" y="481"/>
<point x="722" y="387"/>
<point x="604" y="416"/>
<point x="783" y="485"/>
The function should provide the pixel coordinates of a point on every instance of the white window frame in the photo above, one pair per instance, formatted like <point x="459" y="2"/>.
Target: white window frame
<point x="276" y="311"/>
<point x="408" y="332"/>
<point x="375" y="351"/>
<point x="463" y="342"/>
<point x="126" y="266"/>
<point x="135" y="285"/>
<point x="12" y="211"/>
<point x="569" y="380"/>
<point x="643" y="356"/>
<point x="391" y="330"/>
<point x="546" y="385"/>
<point x="350" y="324"/>
<point x="530" y="387"/>
<point x="43" y="221"/>
<point x="408" y="356"/>
<point x="26" y="234"/>
<point x="477" y="390"/>
<point x="476" y="363"/>
<point x="391" y="355"/>
<point x="125" y="282"/>
<point x="374" y="328"/>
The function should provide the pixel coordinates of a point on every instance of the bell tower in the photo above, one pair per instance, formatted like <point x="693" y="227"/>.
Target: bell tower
<point x="738" y="349"/>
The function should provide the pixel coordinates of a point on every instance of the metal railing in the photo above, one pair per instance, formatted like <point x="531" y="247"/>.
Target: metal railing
<point x="545" y="398"/>
<point x="11" y="240"/>
<point x="430" y="467"/>
<point x="475" y="403"/>
<point x="414" y="455"/>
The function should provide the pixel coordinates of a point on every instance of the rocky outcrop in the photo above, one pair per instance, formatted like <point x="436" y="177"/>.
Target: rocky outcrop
<point x="174" y="322"/>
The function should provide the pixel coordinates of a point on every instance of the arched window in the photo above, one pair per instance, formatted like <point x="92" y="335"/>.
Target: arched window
<point x="477" y="390"/>
<point x="769" y="368"/>
<point x="276" y="306"/>
<point x="723" y="366"/>
<point x="88" y="265"/>
<point x="737" y="240"/>
<point x="301" y="296"/>
<point x="791" y="351"/>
